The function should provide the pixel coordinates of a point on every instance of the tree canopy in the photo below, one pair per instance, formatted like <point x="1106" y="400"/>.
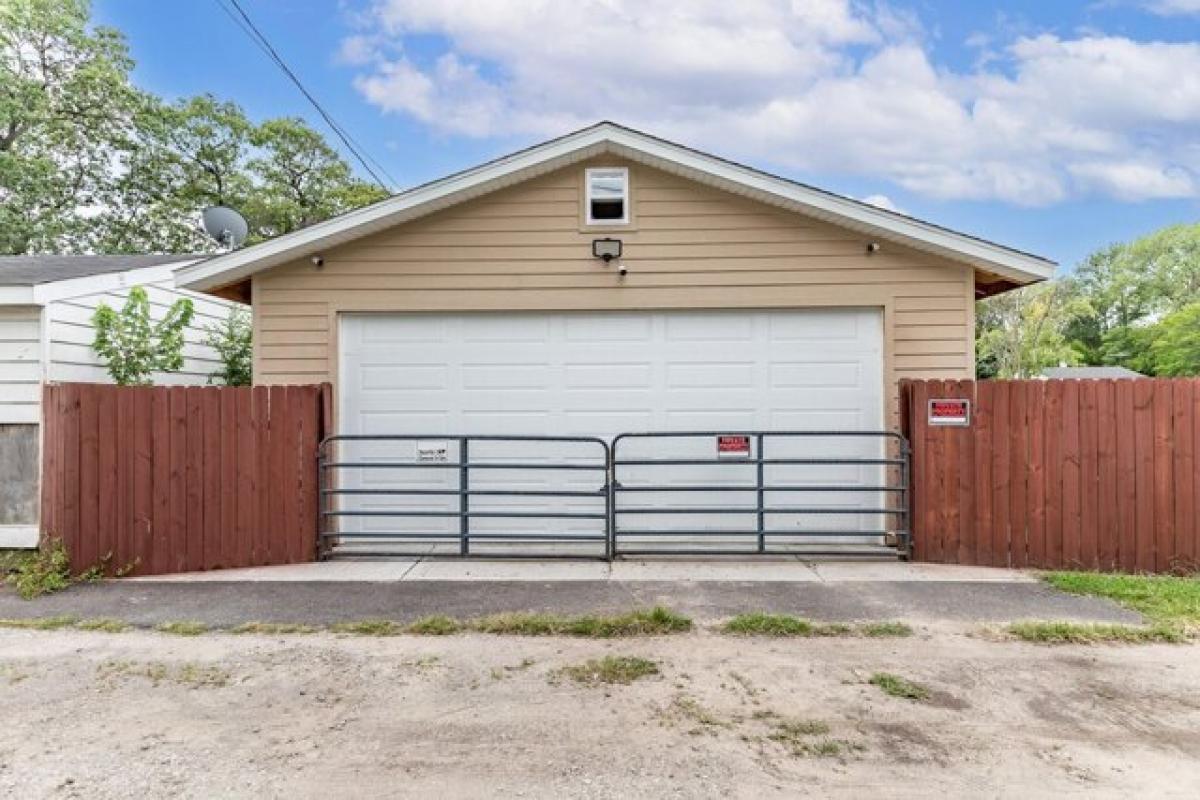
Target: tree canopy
<point x="1135" y="305"/>
<point x="90" y="163"/>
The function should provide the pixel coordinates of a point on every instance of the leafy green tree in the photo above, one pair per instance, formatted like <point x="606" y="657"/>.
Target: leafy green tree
<point x="66" y="109"/>
<point x="88" y="163"/>
<point x="301" y="179"/>
<point x="1129" y="288"/>
<point x="1020" y="333"/>
<point x="1175" y="343"/>
<point x="133" y="346"/>
<point x="233" y="341"/>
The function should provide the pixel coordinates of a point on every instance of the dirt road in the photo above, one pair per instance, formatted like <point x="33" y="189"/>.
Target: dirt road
<point x="149" y="715"/>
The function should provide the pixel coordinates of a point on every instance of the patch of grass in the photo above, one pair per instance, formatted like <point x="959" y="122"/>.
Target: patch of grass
<point x="688" y="708"/>
<point x="103" y="625"/>
<point x="182" y="628"/>
<point x="1161" y="598"/>
<point x="368" y="627"/>
<point x="809" y="738"/>
<point x="610" y="670"/>
<point x="883" y="630"/>
<point x="436" y="625"/>
<point x="40" y="623"/>
<point x="802" y="727"/>
<point x="761" y="624"/>
<point x="654" y="622"/>
<point x="195" y="676"/>
<point x="1094" y="633"/>
<point x="897" y="686"/>
<point x="273" y="628"/>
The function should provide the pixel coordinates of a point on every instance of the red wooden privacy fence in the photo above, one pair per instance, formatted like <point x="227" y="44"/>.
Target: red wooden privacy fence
<point x="1097" y="474"/>
<point x="171" y="479"/>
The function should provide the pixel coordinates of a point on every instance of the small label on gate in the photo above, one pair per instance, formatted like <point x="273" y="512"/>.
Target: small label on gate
<point x="733" y="446"/>
<point x="950" y="412"/>
<point x="433" y="451"/>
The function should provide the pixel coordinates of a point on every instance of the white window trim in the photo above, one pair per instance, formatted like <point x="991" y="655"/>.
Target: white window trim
<point x="587" y="197"/>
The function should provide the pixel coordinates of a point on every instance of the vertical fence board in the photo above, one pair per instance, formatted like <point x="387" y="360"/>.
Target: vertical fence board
<point x="106" y="511"/>
<point x="1108" y="515"/>
<point x="1127" y="508"/>
<point x="1052" y="430"/>
<point x="227" y="434"/>
<point x="1070" y="473"/>
<point x="210" y="410"/>
<point x="160" y="553"/>
<point x="1089" y="473"/>
<point x="1001" y="487"/>
<point x="142" y="519"/>
<point x="1036" y="479"/>
<point x="1164" y="503"/>
<point x="194" y="477"/>
<point x="262" y="472"/>
<point x="1183" y="468"/>
<point x="89" y="473"/>
<point x="1018" y="473"/>
<point x="983" y="418"/>
<point x="1143" y="431"/>
<point x="966" y="485"/>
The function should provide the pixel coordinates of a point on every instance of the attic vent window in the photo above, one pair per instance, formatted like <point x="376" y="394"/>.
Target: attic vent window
<point x="608" y="196"/>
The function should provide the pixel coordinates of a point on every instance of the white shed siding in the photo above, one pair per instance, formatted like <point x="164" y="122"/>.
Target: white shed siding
<point x="20" y="364"/>
<point x="71" y="333"/>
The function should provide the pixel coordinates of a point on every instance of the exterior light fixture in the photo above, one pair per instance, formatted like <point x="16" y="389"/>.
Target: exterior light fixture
<point x="607" y="249"/>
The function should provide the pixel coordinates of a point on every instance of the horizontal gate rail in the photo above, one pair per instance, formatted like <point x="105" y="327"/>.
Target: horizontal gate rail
<point x="660" y="476"/>
<point x="341" y="505"/>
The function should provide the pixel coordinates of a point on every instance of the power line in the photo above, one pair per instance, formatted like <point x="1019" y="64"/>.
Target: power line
<point x="250" y="29"/>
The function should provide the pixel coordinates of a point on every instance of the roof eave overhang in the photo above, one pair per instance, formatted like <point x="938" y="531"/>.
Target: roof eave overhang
<point x="236" y="266"/>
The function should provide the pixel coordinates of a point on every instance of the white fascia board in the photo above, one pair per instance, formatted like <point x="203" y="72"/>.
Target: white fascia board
<point x="46" y="293"/>
<point x="17" y="296"/>
<point x="606" y="137"/>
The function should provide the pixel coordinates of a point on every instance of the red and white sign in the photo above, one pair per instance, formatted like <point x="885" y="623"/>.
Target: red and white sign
<point x="950" y="412"/>
<point x="733" y="446"/>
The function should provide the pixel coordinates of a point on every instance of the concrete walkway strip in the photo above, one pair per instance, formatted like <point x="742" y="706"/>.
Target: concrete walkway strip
<point x="775" y="570"/>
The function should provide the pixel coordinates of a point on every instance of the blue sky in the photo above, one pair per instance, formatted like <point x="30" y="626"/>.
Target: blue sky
<point x="1055" y="127"/>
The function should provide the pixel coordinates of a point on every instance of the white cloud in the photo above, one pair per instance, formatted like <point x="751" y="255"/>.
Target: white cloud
<point x="1170" y="8"/>
<point x="884" y="202"/>
<point x="812" y="85"/>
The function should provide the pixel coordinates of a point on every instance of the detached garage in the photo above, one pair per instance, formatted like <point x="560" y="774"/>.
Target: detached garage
<point x="609" y="282"/>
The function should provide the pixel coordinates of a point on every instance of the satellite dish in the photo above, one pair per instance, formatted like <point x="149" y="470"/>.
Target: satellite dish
<point x="226" y="226"/>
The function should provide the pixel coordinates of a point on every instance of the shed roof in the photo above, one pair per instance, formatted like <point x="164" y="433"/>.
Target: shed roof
<point x="34" y="270"/>
<point x="1090" y="372"/>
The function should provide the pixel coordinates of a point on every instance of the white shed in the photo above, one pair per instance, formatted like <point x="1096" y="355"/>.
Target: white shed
<point x="46" y="308"/>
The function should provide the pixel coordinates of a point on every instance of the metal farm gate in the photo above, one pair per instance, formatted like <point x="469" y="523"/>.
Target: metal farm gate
<point x="758" y="493"/>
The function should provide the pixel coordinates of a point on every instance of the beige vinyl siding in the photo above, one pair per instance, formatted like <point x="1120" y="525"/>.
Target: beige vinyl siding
<point x="20" y="364"/>
<point x="688" y="246"/>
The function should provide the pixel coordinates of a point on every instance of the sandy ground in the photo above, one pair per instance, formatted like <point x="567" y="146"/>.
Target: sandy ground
<point x="148" y="715"/>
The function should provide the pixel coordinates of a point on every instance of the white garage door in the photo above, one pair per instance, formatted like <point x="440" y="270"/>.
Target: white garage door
<point x="602" y="374"/>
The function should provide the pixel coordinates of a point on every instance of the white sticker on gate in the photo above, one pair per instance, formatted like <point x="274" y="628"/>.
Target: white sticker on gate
<point x="433" y="451"/>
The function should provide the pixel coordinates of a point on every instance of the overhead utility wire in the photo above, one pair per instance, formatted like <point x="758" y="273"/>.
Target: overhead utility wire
<point x="251" y="30"/>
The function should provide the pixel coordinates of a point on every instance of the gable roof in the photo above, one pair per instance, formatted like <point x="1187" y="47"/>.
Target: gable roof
<point x="610" y="138"/>
<point x="38" y="269"/>
<point x="1088" y="373"/>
